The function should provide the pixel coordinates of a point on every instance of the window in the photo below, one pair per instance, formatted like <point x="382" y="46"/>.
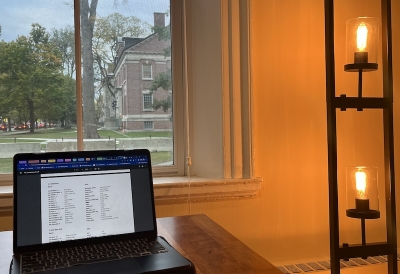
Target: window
<point x="147" y="102"/>
<point x="148" y="125"/>
<point x="114" y="103"/>
<point x="147" y="72"/>
<point x="218" y="69"/>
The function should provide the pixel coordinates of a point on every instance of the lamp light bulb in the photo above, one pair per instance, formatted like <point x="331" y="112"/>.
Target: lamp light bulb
<point x="362" y="35"/>
<point x="361" y="184"/>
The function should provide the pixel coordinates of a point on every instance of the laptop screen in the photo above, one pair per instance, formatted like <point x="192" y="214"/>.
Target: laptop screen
<point x="79" y="195"/>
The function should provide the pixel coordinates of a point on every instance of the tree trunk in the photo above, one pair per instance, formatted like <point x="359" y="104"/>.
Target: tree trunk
<point x="9" y="123"/>
<point x="88" y="18"/>
<point x="31" y="117"/>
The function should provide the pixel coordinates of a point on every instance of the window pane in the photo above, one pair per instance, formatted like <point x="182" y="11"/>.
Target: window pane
<point x="38" y="113"/>
<point x="37" y="90"/>
<point x="147" y="102"/>
<point x="129" y="84"/>
<point x="146" y="71"/>
<point x="148" y="125"/>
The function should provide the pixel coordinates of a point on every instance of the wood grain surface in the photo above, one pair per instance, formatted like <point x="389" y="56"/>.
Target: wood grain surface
<point x="210" y="247"/>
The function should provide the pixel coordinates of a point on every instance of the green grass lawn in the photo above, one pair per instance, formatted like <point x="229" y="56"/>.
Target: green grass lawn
<point x="58" y="134"/>
<point x="156" y="159"/>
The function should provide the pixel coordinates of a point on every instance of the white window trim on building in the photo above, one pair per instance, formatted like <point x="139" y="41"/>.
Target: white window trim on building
<point x="146" y="77"/>
<point x="147" y="100"/>
<point x="228" y="82"/>
<point x="148" y="125"/>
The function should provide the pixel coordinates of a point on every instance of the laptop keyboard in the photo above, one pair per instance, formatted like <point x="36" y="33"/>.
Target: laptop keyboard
<point x="67" y="257"/>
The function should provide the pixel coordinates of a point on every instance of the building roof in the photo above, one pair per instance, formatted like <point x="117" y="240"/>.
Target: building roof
<point x="130" y="42"/>
<point x="126" y="43"/>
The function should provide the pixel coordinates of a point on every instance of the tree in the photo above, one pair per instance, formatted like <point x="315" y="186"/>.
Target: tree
<point x="163" y="80"/>
<point x="164" y="33"/>
<point x="58" y="105"/>
<point x="31" y="71"/>
<point x="16" y="60"/>
<point x="64" y="39"/>
<point x="68" y="111"/>
<point x="88" y="19"/>
<point x="94" y="53"/>
<point x="109" y="28"/>
<point x="106" y="32"/>
<point x="99" y="103"/>
<point x="5" y="105"/>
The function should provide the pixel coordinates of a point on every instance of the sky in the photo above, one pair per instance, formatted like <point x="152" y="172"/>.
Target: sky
<point x="17" y="16"/>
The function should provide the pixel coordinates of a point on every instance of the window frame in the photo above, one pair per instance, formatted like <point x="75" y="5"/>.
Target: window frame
<point x="144" y="96"/>
<point x="227" y="82"/>
<point x="149" y="123"/>
<point x="232" y="149"/>
<point x="151" y="71"/>
<point x="177" y="168"/>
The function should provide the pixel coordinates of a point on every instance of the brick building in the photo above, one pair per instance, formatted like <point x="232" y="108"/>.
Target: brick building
<point x="138" y="62"/>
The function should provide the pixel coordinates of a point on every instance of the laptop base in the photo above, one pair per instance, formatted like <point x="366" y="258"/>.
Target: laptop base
<point x="169" y="262"/>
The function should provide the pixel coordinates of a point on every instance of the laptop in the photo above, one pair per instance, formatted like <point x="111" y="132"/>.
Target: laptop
<point x="88" y="212"/>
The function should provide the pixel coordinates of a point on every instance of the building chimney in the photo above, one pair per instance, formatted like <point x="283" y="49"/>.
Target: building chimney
<point x="159" y="19"/>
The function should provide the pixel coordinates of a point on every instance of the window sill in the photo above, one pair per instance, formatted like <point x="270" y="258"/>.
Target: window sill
<point x="175" y="190"/>
<point x="172" y="190"/>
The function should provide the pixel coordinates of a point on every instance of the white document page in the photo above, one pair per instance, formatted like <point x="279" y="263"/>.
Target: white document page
<point x="77" y="207"/>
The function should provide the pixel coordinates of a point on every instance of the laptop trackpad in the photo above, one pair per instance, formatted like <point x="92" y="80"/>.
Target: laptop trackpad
<point x="124" y="266"/>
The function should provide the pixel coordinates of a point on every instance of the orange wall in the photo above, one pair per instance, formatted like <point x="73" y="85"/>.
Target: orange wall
<point x="289" y="96"/>
<point x="290" y="126"/>
<point x="288" y="221"/>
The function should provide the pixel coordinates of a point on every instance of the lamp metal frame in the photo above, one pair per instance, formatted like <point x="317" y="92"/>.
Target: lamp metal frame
<point x="389" y="248"/>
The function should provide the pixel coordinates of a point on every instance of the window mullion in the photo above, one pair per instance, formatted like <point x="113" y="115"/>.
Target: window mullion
<point x="78" y="72"/>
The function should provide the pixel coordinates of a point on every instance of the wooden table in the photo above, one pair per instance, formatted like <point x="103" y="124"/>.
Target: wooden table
<point x="210" y="247"/>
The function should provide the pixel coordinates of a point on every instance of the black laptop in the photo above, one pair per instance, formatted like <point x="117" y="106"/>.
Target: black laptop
<point x="88" y="212"/>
